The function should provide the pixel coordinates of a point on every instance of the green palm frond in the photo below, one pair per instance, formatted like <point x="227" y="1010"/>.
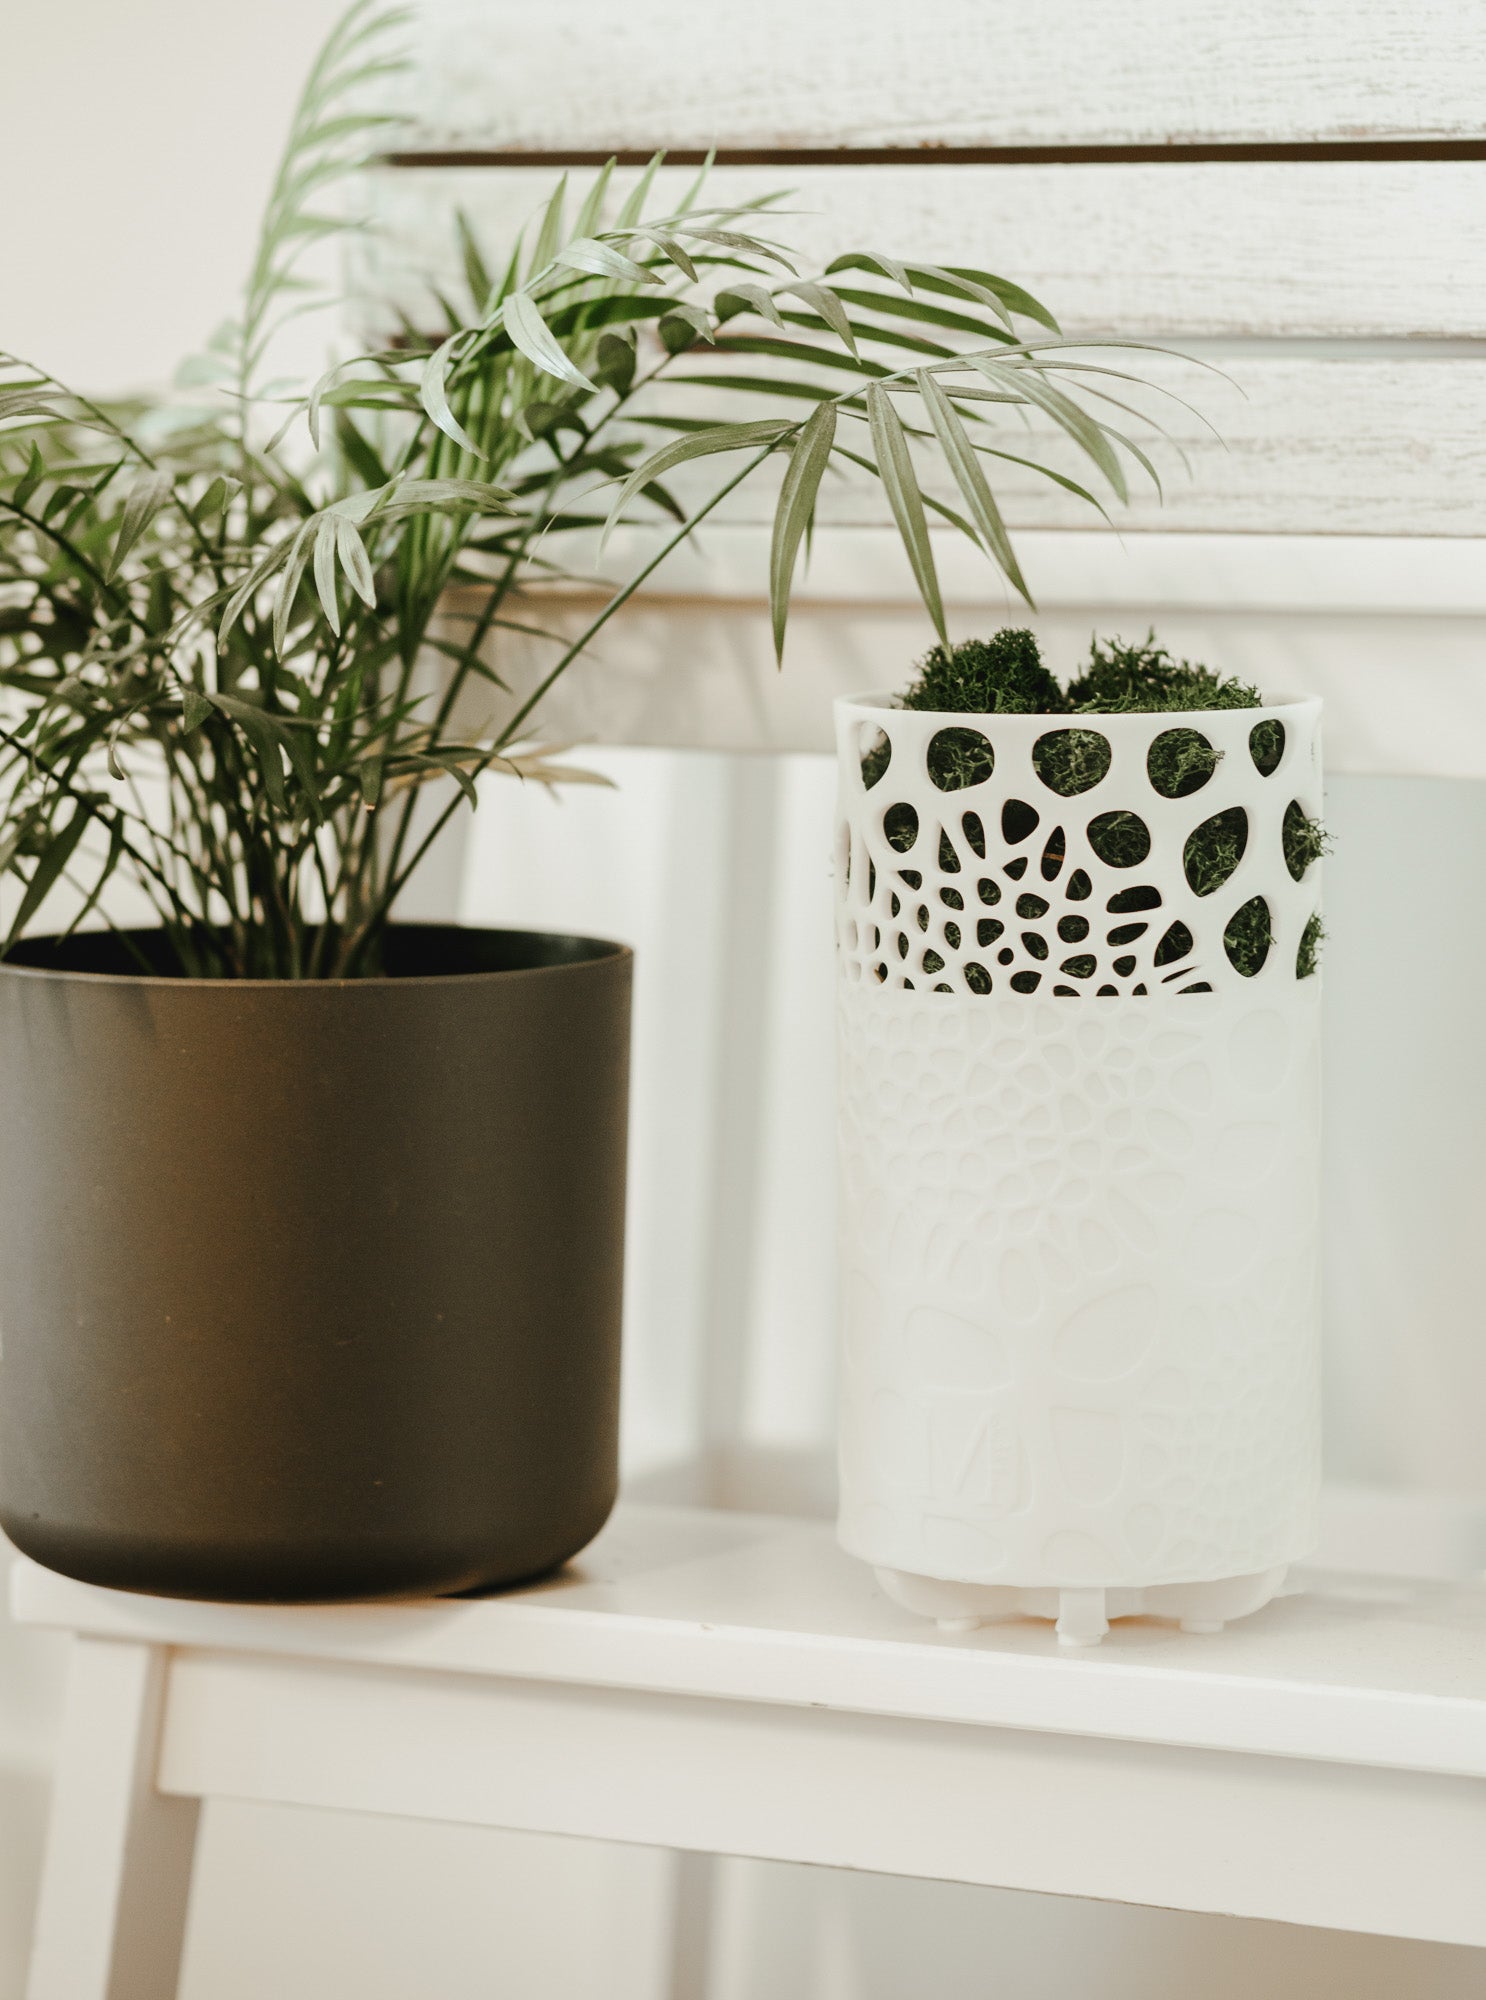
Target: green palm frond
<point x="229" y="666"/>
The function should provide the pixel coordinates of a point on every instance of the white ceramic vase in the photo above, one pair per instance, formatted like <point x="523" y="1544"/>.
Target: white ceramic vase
<point x="1080" y="1166"/>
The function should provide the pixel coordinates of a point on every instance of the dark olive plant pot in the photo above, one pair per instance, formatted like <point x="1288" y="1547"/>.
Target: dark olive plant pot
<point x="311" y="1290"/>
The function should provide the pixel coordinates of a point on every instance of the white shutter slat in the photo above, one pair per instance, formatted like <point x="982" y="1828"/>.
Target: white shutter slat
<point x="774" y="73"/>
<point x="1330" y="249"/>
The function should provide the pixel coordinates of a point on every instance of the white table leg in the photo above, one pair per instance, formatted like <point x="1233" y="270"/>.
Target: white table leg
<point x="694" y="1894"/>
<point x="118" y="1853"/>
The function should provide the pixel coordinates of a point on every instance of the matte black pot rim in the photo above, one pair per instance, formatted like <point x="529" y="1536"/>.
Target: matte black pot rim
<point x="591" y="951"/>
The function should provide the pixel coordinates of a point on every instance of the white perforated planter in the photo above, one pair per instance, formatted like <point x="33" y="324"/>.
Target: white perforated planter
<point x="1080" y="1159"/>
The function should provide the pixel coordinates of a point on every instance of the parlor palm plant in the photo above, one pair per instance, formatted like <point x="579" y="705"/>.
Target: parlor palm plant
<point x="216" y="627"/>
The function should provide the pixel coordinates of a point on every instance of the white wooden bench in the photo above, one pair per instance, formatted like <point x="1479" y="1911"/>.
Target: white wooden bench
<point x="734" y="1684"/>
<point x="1300" y="195"/>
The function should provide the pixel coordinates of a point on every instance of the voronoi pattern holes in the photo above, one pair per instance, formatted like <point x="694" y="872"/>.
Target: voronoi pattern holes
<point x="1304" y="839"/>
<point x="1175" y="943"/>
<point x="959" y="758"/>
<point x="1120" y="839"/>
<point x="1175" y="893"/>
<point x="1018" y="819"/>
<point x="1070" y="761"/>
<point x="900" y="827"/>
<point x="1267" y="745"/>
<point x="1214" y="850"/>
<point x="1248" y="936"/>
<point x="875" y="753"/>
<point x="1128" y="900"/>
<point x="1180" y="762"/>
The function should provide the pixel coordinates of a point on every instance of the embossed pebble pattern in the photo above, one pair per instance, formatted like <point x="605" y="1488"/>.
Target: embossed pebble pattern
<point x="1079" y="1228"/>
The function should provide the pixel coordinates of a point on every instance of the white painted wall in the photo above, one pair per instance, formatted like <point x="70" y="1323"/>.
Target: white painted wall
<point x="136" y="145"/>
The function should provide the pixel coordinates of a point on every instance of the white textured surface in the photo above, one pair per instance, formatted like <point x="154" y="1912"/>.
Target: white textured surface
<point x="977" y="72"/>
<point x="1080" y="1305"/>
<point x="1278" y="248"/>
<point x="1354" y="443"/>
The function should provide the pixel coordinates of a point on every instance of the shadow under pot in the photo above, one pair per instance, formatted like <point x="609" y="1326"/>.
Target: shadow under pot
<point x="310" y="1290"/>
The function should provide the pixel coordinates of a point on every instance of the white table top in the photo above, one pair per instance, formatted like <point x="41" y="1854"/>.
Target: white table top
<point x="756" y="1608"/>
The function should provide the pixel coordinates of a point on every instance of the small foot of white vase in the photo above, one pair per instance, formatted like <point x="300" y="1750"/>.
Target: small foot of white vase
<point x="1083" y="1616"/>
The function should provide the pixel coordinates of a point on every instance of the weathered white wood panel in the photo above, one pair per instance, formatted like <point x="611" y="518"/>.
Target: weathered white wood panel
<point x="1327" y="288"/>
<point x="1350" y="445"/>
<point x="775" y="73"/>
<point x="1343" y="250"/>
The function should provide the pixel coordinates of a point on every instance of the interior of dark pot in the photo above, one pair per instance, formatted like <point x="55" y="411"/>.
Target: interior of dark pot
<point x="410" y="951"/>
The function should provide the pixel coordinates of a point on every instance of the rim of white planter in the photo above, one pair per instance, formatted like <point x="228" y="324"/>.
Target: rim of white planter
<point x="986" y="914"/>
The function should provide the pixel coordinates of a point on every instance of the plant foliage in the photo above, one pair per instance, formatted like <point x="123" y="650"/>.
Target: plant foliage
<point x="224" y="676"/>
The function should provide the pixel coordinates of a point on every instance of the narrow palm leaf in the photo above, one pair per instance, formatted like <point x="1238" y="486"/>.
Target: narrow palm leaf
<point x="960" y="456"/>
<point x="531" y="334"/>
<point x="147" y="496"/>
<point x="702" y="444"/>
<point x="900" y="483"/>
<point x="796" y="508"/>
<point x="48" y="870"/>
